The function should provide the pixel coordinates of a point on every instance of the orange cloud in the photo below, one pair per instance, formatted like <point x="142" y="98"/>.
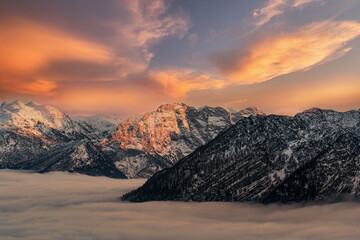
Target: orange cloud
<point x="38" y="87"/>
<point x="39" y="58"/>
<point x="235" y="102"/>
<point x="127" y="100"/>
<point x="177" y="83"/>
<point x="29" y="46"/>
<point x="288" y="52"/>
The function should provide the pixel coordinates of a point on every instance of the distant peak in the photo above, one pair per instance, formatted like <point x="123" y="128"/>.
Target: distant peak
<point x="32" y="104"/>
<point x="12" y="106"/>
<point x="252" y="111"/>
<point x="206" y="107"/>
<point x="313" y="110"/>
<point x="17" y="102"/>
<point x="171" y="106"/>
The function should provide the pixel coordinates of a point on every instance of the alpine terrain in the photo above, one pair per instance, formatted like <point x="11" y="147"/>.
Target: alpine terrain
<point x="141" y="147"/>
<point x="42" y="138"/>
<point x="312" y="156"/>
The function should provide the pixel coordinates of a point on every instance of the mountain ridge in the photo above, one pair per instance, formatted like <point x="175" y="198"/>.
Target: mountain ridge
<point x="253" y="158"/>
<point x="167" y="134"/>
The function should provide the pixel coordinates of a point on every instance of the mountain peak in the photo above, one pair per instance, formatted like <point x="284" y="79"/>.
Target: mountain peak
<point x="251" y="111"/>
<point x="32" y="104"/>
<point x="171" y="107"/>
<point x="313" y="110"/>
<point x="26" y="116"/>
<point x="13" y="106"/>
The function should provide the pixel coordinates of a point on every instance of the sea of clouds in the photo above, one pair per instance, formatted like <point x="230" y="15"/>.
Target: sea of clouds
<point x="72" y="206"/>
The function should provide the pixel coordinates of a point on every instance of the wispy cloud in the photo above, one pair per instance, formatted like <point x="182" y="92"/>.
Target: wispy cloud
<point x="147" y="23"/>
<point x="284" y="53"/>
<point x="273" y="8"/>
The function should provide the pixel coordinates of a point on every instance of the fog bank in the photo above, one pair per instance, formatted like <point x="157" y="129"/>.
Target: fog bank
<point x="71" y="206"/>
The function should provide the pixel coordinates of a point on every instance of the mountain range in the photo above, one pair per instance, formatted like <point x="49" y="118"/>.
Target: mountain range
<point x="42" y="138"/>
<point x="313" y="156"/>
<point x="193" y="154"/>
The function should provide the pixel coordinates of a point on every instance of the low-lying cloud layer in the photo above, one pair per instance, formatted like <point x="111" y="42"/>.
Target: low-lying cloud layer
<point x="65" y="206"/>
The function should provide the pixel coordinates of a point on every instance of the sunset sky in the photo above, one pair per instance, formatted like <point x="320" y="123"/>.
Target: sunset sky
<point x="129" y="56"/>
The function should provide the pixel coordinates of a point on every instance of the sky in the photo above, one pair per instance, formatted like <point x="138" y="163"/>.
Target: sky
<point x="129" y="56"/>
<point x="73" y="206"/>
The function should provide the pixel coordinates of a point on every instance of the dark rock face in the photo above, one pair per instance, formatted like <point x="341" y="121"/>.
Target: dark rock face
<point x="333" y="174"/>
<point x="312" y="156"/>
<point x="15" y="148"/>
<point x="81" y="156"/>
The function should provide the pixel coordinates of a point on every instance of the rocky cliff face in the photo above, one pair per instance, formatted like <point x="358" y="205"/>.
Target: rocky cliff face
<point x="312" y="156"/>
<point x="141" y="147"/>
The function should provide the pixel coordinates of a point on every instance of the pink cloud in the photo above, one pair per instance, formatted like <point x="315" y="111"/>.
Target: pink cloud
<point x="284" y="53"/>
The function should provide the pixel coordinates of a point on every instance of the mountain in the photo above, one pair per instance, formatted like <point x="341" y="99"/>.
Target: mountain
<point x="140" y="147"/>
<point x="80" y="156"/>
<point x="312" y="156"/>
<point x="39" y="121"/>
<point x="42" y="138"/>
<point x="100" y="125"/>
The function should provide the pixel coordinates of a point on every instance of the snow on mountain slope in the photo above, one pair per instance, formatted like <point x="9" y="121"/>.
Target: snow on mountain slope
<point x="30" y="133"/>
<point x="38" y="121"/>
<point x="311" y="156"/>
<point x="100" y="125"/>
<point x="80" y="156"/>
<point x="22" y="115"/>
<point x="167" y="134"/>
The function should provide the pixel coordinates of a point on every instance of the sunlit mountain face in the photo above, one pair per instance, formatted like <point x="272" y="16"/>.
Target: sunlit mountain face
<point x="128" y="57"/>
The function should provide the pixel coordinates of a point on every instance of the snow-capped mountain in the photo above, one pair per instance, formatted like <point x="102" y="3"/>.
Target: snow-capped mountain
<point x="43" y="122"/>
<point x="32" y="133"/>
<point x="314" y="155"/>
<point x="42" y="138"/>
<point x="18" y="114"/>
<point x="99" y="124"/>
<point x="141" y="147"/>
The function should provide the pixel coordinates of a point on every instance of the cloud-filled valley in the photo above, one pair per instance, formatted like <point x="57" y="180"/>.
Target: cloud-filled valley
<point x="71" y="206"/>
